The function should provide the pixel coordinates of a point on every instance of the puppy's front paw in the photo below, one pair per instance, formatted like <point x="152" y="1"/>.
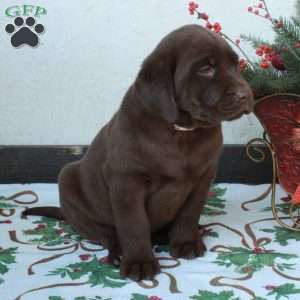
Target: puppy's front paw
<point x="139" y="270"/>
<point x="188" y="249"/>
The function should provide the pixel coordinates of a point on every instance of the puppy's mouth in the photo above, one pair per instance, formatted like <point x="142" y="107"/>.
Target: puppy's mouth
<point x="235" y="116"/>
<point x="235" y="112"/>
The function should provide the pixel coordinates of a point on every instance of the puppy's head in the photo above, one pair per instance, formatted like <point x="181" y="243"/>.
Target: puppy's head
<point x="193" y="79"/>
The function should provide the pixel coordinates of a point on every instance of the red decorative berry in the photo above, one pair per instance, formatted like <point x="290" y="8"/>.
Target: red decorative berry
<point x="266" y="49"/>
<point x="193" y="7"/>
<point x="277" y="62"/>
<point x="259" y="52"/>
<point x="260" y="5"/>
<point x="250" y="9"/>
<point x="204" y="16"/>
<point x="264" y="64"/>
<point x="209" y="25"/>
<point x="243" y="64"/>
<point x="269" y="57"/>
<point x="217" y="27"/>
<point x="278" y="24"/>
<point x="237" y="41"/>
<point x="154" y="298"/>
<point x="85" y="257"/>
<point x="256" y="12"/>
<point x="297" y="45"/>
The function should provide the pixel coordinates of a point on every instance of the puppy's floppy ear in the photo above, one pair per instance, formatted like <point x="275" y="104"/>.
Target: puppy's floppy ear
<point x="155" y="87"/>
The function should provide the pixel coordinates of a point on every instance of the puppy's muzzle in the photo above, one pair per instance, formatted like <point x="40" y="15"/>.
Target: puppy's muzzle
<point x="238" y="102"/>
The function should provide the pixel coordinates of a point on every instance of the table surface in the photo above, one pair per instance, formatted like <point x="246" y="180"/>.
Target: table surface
<point x="249" y="255"/>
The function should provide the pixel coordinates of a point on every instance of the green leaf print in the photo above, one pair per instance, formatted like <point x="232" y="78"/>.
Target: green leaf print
<point x="283" y="208"/>
<point x="98" y="273"/>
<point x="7" y="257"/>
<point x="283" y="235"/>
<point x="215" y="204"/>
<point x="206" y="295"/>
<point x="78" y="298"/>
<point x="144" y="297"/>
<point x="139" y="297"/>
<point x="284" y="290"/>
<point x="248" y="260"/>
<point x="51" y="232"/>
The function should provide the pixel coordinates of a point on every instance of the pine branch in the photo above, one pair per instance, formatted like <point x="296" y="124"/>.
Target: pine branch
<point x="254" y="41"/>
<point x="289" y="29"/>
<point x="297" y="17"/>
<point x="288" y="35"/>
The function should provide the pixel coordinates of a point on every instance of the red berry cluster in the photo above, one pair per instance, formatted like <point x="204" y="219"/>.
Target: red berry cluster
<point x="193" y="6"/>
<point x="270" y="57"/>
<point x="260" y="10"/>
<point x="278" y="24"/>
<point x="216" y="27"/>
<point x="265" y="52"/>
<point x="243" y="63"/>
<point x="297" y="46"/>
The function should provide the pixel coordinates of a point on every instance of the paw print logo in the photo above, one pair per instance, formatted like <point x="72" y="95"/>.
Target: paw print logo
<point x="24" y="32"/>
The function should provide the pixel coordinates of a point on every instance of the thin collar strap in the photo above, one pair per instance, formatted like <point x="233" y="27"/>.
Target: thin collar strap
<point x="179" y="128"/>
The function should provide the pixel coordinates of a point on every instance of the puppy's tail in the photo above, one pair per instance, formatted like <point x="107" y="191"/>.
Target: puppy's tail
<point x="45" y="211"/>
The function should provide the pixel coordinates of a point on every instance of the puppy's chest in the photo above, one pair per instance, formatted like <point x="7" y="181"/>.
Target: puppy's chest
<point x="189" y="155"/>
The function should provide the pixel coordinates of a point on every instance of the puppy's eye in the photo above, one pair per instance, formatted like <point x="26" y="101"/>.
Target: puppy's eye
<point x="207" y="71"/>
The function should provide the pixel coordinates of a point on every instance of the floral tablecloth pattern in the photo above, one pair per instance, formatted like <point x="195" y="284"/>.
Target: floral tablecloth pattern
<point x="250" y="257"/>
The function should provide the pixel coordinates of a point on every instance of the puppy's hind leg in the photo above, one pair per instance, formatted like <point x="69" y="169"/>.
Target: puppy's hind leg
<point x="81" y="215"/>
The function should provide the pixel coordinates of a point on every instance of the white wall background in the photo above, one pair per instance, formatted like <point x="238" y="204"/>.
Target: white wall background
<point x="63" y="91"/>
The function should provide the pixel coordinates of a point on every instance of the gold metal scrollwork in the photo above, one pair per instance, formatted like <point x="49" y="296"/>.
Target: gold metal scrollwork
<point x="294" y="211"/>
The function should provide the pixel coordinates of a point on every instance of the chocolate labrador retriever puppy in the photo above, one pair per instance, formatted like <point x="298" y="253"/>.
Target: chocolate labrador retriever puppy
<point x="148" y="171"/>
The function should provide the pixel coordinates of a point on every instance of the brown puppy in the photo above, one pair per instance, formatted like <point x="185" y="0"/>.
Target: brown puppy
<point x="148" y="171"/>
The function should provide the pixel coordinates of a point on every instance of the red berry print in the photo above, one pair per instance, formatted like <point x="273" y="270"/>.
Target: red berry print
<point x="85" y="257"/>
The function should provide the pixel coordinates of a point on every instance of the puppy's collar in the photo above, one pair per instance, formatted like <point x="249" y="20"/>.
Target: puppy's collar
<point x="179" y="128"/>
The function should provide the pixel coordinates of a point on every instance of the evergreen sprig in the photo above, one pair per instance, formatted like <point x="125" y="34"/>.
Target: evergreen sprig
<point x="286" y="45"/>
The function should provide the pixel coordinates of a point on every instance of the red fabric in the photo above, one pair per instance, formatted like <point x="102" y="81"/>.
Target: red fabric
<point x="280" y="115"/>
